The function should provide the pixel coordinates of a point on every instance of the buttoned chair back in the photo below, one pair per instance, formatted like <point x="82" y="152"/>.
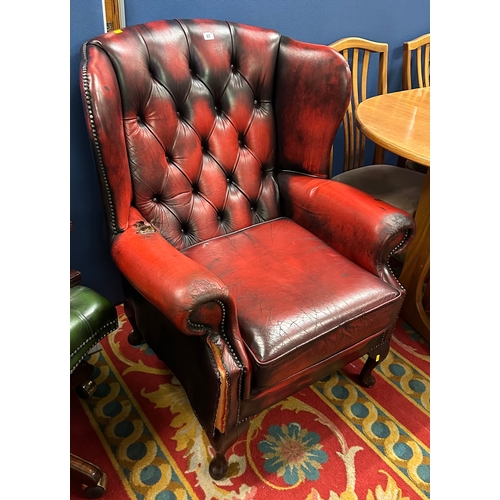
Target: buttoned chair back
<point x="206" y="116"/>
<point x="368" y="62"/>
<point x="247" y="270"/>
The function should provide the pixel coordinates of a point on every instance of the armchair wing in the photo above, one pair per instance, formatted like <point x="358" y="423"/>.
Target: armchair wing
<point x="365" y="230"/>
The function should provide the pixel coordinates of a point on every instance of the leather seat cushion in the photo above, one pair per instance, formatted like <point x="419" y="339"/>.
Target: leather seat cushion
<point x="400" y="187"/>
<point x="91" y="318"/>
<point x="298" y="300"/>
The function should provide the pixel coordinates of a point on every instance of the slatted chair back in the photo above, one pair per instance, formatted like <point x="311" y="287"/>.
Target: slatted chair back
<point x="358" y="52"/>
<point x="416" y="62"/>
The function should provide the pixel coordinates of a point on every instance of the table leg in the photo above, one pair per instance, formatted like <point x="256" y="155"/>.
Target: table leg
<point x="416" y="267"/>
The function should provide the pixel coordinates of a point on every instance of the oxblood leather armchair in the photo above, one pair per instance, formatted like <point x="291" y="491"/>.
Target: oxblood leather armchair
<point x="247" y="270"/>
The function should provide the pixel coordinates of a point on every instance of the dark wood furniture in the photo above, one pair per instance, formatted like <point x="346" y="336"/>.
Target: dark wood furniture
<point x="92" y="317"/>
<point x="398" y="186"/>
<point x="416" y="62"/>
<point x="399" y="122"/>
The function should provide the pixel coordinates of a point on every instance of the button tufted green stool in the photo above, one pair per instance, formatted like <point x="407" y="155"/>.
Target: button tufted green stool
<point x="92" y="317"/>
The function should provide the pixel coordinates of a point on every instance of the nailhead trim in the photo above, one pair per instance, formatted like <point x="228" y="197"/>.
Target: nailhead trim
<point x="92" y="338"/>
<point x="88" y="102"/>
<point x="384" y="339"/>
<point x="195" y="326"/>
<point x="392" y="253"/>
<point x="239" y="364"/>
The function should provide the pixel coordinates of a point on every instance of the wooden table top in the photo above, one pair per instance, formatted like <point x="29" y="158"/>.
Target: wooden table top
<point x="399" y="122"/>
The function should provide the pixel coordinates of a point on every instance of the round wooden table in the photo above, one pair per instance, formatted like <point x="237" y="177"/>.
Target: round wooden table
<point x="400" y="123"/>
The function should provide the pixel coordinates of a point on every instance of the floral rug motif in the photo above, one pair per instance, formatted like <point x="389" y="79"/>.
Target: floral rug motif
<point x="334" y="440"/>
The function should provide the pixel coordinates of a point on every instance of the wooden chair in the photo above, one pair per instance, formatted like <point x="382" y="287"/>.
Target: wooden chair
<point x="398" y="186"/>
<point x="416" y="68"/>
<point x="357" y="52"/>
<point x="416" y="61"/>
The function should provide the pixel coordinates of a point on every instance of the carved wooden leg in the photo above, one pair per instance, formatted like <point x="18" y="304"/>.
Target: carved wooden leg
<point x="81" y="380"/>
<point x="86" y="389"/>
<point x="417" y="266"/>
<point x="222" y="443"/>
<point x="366" y="377"/>
<point x="218" y="466"/>
<point x="90" y="475"/>
<point x="135" y="337"/>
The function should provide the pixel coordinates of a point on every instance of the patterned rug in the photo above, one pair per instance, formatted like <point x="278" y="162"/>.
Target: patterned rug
<point x="332" y="441"/>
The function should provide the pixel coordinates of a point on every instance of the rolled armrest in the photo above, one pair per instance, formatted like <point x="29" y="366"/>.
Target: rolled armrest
<point x="195" y="300"/>
<point x="175" y="284"/>
<point x="365" y="230"/>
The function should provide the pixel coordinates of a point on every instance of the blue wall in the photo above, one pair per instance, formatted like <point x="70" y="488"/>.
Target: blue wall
<point x="316" y="21"/>
<point x="88" y="245"/>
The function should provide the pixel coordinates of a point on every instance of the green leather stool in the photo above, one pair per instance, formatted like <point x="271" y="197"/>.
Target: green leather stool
<point x="92" y="317"/>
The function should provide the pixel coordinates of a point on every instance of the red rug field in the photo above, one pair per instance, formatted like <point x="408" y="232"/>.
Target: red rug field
<point x="332" y="441"/>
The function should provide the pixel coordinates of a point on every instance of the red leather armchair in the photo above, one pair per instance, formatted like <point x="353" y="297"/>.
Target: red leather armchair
<point x="247" y="270"/>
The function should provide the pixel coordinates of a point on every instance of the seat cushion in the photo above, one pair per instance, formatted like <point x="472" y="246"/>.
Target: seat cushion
<point x="91" y="318"/>
<point x="298" y="300"/>
<point x="400" y="187"/>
